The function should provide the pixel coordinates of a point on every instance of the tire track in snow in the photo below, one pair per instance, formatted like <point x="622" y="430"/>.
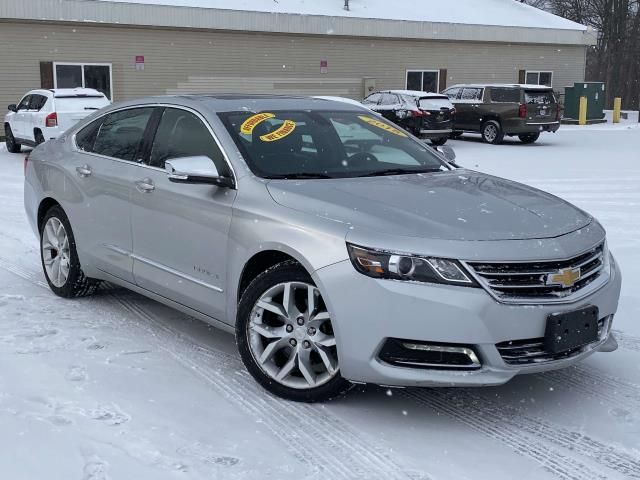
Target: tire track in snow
<point x="626" y="341"/>
<point x="592" y="383"/>
<point x="338" y="449"/>
<point x="604" y="454"/>
<point x="515" y="437"/>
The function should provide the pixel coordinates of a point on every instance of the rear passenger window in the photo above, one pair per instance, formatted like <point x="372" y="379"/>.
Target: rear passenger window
<point x="471" y="94"/>
<point x="373" y="99"/>
<point x="37" y="102"/>
<point x="505" y="95"/>
<point x="86" y="137"/>
<point x="120" y="134"/>
<point x="182" y="134"/>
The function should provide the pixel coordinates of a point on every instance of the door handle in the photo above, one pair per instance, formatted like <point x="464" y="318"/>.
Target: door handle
<point x="145" y="185"/>
<point x="83" y="171"/>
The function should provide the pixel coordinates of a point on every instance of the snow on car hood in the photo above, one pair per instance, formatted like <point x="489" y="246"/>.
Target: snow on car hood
<point x="456" y="205"/>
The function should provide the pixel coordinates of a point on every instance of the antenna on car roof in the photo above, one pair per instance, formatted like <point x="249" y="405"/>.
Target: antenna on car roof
<point x="346" y="5"/>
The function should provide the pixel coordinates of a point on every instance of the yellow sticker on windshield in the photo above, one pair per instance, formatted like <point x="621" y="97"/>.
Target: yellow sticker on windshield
<point x="285" y="129"/>
<point x="252" y="122"/>
<point x="382" y="125"/>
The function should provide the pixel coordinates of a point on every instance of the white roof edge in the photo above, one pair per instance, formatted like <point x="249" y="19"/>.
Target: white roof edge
<point x="136" y="14"/>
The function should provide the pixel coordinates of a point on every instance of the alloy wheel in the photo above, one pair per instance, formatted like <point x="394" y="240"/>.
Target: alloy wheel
<point x="56" y="254"/>
<point x="490" y="133"/>
<point x="291" y="337"/>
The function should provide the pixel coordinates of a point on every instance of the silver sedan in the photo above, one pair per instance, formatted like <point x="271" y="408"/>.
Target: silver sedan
<point x="337" y="247"/>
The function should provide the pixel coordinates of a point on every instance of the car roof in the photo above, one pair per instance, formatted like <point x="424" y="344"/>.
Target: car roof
<point x="502" y="85"/>
<point x="220" y="103"/>
<point x="413" y="93"/>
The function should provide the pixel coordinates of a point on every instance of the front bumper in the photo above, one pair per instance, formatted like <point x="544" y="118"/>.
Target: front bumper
<point x="366" y="312"/>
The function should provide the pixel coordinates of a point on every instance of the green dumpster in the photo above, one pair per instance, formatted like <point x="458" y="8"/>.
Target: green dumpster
<point x="595" y="93"/>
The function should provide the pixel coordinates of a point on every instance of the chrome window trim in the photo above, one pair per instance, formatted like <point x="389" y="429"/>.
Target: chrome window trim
<point x="139" y="163"/>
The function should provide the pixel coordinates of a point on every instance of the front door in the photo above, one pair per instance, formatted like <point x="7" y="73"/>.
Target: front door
<point x="180" y="230"/>
<point x="104" y="169"/>
<point x="469" y="108"/>
<point x="21" y="117"/>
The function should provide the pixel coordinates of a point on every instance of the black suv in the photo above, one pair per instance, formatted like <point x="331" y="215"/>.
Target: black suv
<point x="426" y="115"/>
<point x="498" y="110"/>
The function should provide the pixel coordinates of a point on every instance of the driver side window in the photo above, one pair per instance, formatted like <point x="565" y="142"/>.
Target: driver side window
<point x="24" y="104"/>
<point x="182" y="134"/>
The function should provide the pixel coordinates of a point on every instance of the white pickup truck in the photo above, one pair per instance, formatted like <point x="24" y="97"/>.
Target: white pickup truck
<point x="44" y="114"/>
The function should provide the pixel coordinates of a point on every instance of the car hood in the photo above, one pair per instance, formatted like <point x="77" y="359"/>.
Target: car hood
<point x="455" y="205"/>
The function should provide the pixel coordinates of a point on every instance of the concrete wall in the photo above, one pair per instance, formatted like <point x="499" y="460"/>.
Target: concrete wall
<point x="180" y="61"/>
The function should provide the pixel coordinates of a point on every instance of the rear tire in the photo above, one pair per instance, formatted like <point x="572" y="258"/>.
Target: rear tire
<point x="291" y="350"/>
<point x="59" y="257"/>
<point x="12" y="145"/>
<point x="39" y="137"/>
<point x="438" y="142"/>
<point x="491" y="132"/>
<point x="529" y="138"/>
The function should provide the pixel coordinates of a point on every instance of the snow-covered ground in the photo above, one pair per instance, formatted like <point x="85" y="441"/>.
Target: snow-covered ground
<point x="119" y="387"/>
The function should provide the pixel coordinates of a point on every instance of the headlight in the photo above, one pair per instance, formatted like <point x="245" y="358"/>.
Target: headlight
<point x="396" y="266"/>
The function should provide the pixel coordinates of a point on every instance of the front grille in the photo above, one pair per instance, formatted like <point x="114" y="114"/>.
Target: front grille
<point x="532" y="351"/>
<point x="527" y="281"/>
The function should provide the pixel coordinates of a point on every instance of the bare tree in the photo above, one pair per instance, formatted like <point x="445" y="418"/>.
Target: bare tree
<point x="615" y="59"/>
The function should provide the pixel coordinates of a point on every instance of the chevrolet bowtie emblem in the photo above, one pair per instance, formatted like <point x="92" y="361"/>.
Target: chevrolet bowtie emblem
<point x="567" y="277"/>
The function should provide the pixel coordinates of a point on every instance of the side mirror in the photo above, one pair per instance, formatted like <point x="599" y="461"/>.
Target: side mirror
<point x="448" y="153"/>
<point x="196" y="170"/>
<point x="13" y="107"/>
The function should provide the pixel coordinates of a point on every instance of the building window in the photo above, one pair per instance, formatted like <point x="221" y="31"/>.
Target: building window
<point x="539" y="78"/>
<point x="86" y="75"/>
<point x="423" y="80"/>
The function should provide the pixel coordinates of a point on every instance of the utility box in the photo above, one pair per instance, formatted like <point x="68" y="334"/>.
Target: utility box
<point x="369" y="85"/>
<point x="595" y="93"/>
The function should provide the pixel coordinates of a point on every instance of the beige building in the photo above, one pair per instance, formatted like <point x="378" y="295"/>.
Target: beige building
<point x="129" y="49"/>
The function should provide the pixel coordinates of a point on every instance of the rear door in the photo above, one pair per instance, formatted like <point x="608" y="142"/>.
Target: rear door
<point x="389" y="106"/>
<point x="36" y="118"/>
<point x="541" y="105"/>
<point x="180" y="230"/>
<point x="104" y="168"/>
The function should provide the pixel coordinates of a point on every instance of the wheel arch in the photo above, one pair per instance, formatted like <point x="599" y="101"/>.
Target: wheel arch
<point x="45" y="205"/>
<point x="258" y="263"/>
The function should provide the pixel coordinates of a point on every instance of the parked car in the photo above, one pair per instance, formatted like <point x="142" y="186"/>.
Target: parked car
<point x="426" y="115"/>
<point x="44" y="114"/>
<point x="336" y="246"/>
<point x="498" y="110"/>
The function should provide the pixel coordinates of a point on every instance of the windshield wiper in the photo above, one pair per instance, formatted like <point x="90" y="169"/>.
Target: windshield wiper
<point x="398" y="171"/>
<point x="299" y="176"/>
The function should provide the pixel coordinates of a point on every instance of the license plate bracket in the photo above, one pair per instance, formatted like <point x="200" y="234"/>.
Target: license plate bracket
<point x="570" y="330"/>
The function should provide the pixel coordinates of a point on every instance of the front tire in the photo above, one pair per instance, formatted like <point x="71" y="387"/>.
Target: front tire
<point x="438" y="142"/>
<point x="285" y="336"/>
<point x="59" y="257"/>
<point x="491" y="132"/>
<point x="12" y="145"/>
<point x="529" y="138"/>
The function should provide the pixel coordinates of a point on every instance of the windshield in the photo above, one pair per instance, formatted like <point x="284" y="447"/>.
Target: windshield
<point x="326" y="144"/>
